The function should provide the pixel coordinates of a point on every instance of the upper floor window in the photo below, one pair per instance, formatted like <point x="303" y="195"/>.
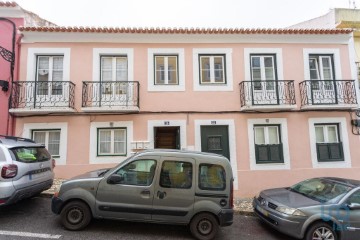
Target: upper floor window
<point x="166" y="70"/>
<point x="328" y="144"/>
<point x="268" y="146"/>
<point x="50" y="68"/>
<point x="50" y="138"/>
<point x="114" y="68"/>
<point x="321" y="67"/>
<point x="111" y="141"/>
<point x="263" y="68"/>
<point x="212" y="69"/>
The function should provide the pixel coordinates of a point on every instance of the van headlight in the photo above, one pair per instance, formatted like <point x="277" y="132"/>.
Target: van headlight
<point x="290" y="211"/>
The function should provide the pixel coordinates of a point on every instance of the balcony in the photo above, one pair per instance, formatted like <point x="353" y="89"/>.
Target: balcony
<point x="42" y="97"/>
<point x="328" y="94"/>
<point x="110" y="96"/>
<point x="267" y="95"/>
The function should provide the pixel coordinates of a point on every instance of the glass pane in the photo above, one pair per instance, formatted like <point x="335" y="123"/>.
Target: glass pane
<point x="256" y="74"/>
<point x="255" y="62"/>
<point x="332" y="134"/>
<point x="259" y="135"/>
<point x="54" y="143"/>
<point x="326" y="62"/>
<point x="268" y="61"/>
<point x="273" y="135"/>
<point x="119" y="135"/>
<point x="176" y="174"/>
<point x="269" y="74"/>
<point x="105" y="141"/>
<point x="219" y="69"/>
<point x="172" y="70"/>
<point x="205" y="69"/>
<point x="39" y="137"/>
<point x="121" y="69"/>
<point x="106" y="63"/>
<point x="138" y="173"/>
<point x="159" y="70"/>
<point x="57" y="75"/>
<point x="119" y="148"/>
<point x="212" y="177"/>
<point x="43" y="69"/>
<point x="327" y="74"/>
<point x="319" y="132"/>
<point x="58" y="63"/>
<point x="313" y="65"/>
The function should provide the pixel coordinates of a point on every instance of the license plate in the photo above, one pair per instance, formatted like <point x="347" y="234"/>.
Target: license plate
<point x="263" y="211"/>
<point x="36" y="175"/>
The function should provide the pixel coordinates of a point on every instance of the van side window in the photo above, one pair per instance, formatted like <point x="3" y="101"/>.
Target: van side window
<point x="176" y="174"/>
<point x="139" y="172"/>
<point x="212" y="177"/>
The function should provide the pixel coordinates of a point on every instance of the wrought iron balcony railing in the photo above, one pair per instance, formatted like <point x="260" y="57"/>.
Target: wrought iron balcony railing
<point x="328" y="92"/>
<point x="42" y="94"/>
<point x="265" y="93"/>
<point x="110" y="94"/>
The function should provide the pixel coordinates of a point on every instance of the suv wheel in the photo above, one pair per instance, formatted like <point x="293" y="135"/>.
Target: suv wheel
<point x="204" y="226"/>
<point x="75" y="215"/>
<point x="321" y="231"/>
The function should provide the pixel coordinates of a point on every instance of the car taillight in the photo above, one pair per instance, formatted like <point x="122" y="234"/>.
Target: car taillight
<point x="231" y="200"/>
<point x="53" y="163"/>
<point x="9" y="171"/>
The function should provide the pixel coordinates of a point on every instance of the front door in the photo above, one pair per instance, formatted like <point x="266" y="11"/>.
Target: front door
<point x="175" y="190"/>
<point x="167" y="137"/>
<point x="215" y="139"/>
<point x="132" y="197"/>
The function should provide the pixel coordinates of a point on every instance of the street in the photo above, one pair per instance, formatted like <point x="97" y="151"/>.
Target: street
<point x="33" y="219"/>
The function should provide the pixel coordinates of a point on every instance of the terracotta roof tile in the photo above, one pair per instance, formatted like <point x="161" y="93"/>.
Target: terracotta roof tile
<point x="8" y="4"/>
<point x="185" y="30"/>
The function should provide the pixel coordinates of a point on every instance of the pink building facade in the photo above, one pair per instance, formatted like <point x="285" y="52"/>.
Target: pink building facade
<point x="278" y="103"/>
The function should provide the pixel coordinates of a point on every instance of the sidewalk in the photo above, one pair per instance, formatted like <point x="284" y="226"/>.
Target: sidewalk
<point x="242" y="206"/>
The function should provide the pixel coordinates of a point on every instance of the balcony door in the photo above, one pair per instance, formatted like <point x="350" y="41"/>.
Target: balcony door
<point x="322" y="80"/>
<point x="48" y="89"/>
<point x="114" y="88"/>
<point x="264" y="80"/>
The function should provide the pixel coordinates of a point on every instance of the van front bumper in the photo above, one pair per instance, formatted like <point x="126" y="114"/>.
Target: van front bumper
<point x="226" y="217"/>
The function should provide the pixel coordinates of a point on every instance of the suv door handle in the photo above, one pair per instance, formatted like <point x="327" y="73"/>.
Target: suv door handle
<point x="161" y="195"/>
<point x="146" y="191"/>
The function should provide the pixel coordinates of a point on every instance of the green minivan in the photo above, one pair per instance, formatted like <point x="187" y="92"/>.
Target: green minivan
<point x="159" y="186"/>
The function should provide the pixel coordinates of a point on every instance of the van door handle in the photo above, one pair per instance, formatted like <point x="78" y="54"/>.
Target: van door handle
<point x="161" y="195"/>
<point x="146" y="191"/>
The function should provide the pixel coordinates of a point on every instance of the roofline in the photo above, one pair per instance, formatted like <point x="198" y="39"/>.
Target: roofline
<point x="8" y="4"/>
<point x="59" y="29"/>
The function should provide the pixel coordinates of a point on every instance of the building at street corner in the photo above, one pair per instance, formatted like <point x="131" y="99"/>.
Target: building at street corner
<point x="278" y="103"/>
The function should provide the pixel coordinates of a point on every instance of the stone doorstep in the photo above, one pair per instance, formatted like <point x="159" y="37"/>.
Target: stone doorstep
<point x="242" y="206"/>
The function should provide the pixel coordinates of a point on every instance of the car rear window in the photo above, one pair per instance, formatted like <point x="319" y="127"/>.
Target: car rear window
<point x="31" y="154"/>
<point x="212" y="177"/>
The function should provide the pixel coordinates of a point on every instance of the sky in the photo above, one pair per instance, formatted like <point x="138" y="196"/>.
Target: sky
<point x="182" y="13"/>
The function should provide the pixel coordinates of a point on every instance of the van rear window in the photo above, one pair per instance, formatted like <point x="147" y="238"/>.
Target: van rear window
<point x="212" y="177"/>
<point x="31" y="154"/>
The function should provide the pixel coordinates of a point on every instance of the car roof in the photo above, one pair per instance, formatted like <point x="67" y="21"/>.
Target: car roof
<point x="10" y="142"/>
<point x="345" y="181"/>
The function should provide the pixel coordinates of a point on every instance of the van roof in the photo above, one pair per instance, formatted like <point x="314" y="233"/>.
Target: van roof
<point x="180" y="152"/>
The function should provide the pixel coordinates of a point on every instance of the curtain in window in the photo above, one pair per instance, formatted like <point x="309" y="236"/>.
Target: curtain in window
<point x="319" y="132"/>
<point x="119" y="141"/>
<point x="105" y="141"/>
<point x="121" y="69"/>
<point x="259" y="135"/>
<point x="54" y="143"/>
<point x="273" y="135"/>
<point x="39" y="137"/>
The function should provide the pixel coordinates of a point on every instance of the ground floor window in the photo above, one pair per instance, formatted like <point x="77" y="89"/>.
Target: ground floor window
<point x="111" y="141"/>
<point x="50" y="138"/>
<point x="328" y="145"/>
<point x="268" y="146"/>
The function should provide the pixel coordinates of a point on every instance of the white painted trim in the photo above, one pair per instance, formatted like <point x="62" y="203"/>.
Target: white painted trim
<point x="279" y="60"/>
<point x="337" y="60"/>
<point x="232" y="141"/>
<point x="169" y="123"/>
<point x="94" y="159"/>
<point x="353" y="60"/>
<point x="228" y="86"/>
<point x="181" y="68"/>
<point x="343" y="137"/>
<point x="284" y="140"/>
<point x="34" y="52"/>
<point x="63" y="126"/>
<point x="97" y="52"/>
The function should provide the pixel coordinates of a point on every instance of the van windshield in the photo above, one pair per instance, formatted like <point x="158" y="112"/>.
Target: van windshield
<point x="31" y="154"/>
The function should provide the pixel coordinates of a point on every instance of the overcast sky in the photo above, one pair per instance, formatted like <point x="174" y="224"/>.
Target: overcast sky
<point x="182" y="13"/>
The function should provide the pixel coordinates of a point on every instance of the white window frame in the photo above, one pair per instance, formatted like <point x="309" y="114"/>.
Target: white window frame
<point x="29" y="127"/>
<point x="113" y="67"/>
<point x="342" y="122"/>
<point x="47" y="131"/>
<point x="166" y="69"/>
<point x="208" y="87"/>
<point x="51" y="67"/>
<point x="325" y="131"/>
<point x="212" y="74"/>
<point x="152" y="87"/>
<point x="112" y="153"/>
<point x="112" y="52"/>
<point x="33" y="53"/>
<point x="94" y="158"/>
<point x="284" y="140"/>
<point x="266" y="134"/>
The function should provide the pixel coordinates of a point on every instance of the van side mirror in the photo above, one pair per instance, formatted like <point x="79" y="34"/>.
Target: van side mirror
<point x="354" y="206"/>
<point x="115" y="179"/>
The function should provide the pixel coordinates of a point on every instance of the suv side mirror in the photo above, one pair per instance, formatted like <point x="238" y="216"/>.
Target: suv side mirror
<point x="354" y="206"/>
<point x="115" y="179"/>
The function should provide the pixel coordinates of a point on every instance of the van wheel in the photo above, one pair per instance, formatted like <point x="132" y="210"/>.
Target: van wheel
<point x="204" y="226"/>
<point x="75" y="215"/>
<point x="321" y="231"/>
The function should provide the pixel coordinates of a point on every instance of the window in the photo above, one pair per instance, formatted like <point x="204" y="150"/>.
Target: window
<point x="111" y="141"/>
<point x="268" y="146"/>
<point x="212" y="177"/>
<point x="49" y="72"/>
<point x="50" y="138"/>
<point x="263" y="69"/>
<point x="176" y="174"/>
<point x="113" y="70"/>
<point x="212" y="69"/>
<point x="354" y="198"/>
<point x="321" y="67"/>
<point x="166" y="70"/>
<point x="139" y="172"/>
<point x="328" y="145"/>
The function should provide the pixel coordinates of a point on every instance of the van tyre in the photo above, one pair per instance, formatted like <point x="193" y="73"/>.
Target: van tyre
<point x="204" y="226"/>
<point x="76" y="215"/>
<point x="322" y="231"/>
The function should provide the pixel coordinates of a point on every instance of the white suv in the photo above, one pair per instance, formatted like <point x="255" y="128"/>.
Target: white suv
<point x="26" y="169"/>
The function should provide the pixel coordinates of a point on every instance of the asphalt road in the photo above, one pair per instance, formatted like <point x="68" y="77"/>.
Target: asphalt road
<point x="32" y="219"/>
